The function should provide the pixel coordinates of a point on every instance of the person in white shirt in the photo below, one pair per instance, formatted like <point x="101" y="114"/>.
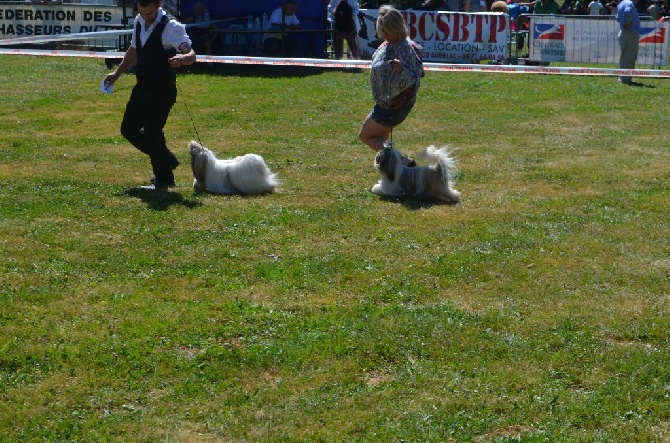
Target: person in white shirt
<point x="654" y="10"/>
<point x="281" y="20"/>
<point x="158" y="45"/>
<point x="595" y="7"/>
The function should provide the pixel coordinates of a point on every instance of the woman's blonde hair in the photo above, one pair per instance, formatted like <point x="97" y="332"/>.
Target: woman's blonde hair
<point x="390" y="20"/>
<point x="500" y="6"/>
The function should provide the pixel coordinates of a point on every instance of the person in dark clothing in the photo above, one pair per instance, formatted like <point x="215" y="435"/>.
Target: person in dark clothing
<point x="158" y="44"/>
<point x="433" y="5"/>
<point x="344" y="14"/>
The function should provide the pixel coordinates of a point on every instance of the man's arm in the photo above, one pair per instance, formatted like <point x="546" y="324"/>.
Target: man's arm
<point x="129" y="60"/>
<point x="186" y="56"/>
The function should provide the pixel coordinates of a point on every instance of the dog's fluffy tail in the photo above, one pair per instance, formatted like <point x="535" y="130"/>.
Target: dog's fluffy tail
<point x="254" y="176"/>
<point x="442" y="156"/>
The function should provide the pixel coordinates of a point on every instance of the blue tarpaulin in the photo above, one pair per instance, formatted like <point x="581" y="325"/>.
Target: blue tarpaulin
<point x="311" y="13"/>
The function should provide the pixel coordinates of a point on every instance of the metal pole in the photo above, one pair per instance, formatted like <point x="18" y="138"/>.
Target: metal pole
<point x="283" y="29"/>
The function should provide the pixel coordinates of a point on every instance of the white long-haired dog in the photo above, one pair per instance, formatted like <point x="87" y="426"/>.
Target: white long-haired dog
<point x="247" y="174"/>
<point x="432" y="181"/>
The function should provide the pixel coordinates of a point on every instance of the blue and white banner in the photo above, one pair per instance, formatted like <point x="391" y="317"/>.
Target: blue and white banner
<point x="592" y="40"/>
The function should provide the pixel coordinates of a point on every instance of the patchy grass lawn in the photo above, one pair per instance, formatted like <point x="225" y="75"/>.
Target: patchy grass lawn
<point x="534" y="310"/>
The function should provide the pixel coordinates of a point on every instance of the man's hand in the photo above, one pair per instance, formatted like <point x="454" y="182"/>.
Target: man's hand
<point x="177" y="61"/>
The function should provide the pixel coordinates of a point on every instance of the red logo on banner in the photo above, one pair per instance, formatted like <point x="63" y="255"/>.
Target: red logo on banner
<point x="476" y="28"/>
<point x="549" y="31"/>
<point x="652" y="35"/>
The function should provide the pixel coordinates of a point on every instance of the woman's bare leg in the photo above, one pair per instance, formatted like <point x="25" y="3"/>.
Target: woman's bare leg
<point x="373" y="134"/>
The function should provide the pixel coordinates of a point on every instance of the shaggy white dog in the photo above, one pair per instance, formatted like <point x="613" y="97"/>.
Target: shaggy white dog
<point x="432" y="181"/>
<point x="247" y="174"/>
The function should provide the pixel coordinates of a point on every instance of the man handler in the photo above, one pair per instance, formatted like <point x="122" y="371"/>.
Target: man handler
<point x="629" y="36"/>
<point x="158" y="44"/>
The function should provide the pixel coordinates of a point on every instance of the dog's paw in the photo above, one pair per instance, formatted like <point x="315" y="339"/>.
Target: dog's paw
<point x="453" y="196"/>
<point x="197" y="186"/>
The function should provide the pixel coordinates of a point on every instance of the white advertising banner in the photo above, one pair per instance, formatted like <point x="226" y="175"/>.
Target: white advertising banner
<point x="592" y="40"/>
<point x="445" y="37"/>
<point x="27" y="20"/>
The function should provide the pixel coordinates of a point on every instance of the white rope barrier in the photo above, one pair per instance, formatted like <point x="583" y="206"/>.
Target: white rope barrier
<point x="363" y="64"/>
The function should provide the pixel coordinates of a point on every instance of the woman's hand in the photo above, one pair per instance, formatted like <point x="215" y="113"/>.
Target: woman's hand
<point x="396" y="66"/>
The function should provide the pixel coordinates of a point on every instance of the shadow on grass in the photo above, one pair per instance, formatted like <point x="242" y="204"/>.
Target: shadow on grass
<point x="639" y="85"/>
<point x="241" y="70"/>
<point x="249" y="70"/>
<point x="160" y="200"/>
<point x="414" y="204"/>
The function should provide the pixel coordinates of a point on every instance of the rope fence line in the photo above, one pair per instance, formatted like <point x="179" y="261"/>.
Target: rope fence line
<point x="363" y="64"/>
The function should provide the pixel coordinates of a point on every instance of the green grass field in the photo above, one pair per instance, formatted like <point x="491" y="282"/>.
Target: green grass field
<point x="535" y="310"/>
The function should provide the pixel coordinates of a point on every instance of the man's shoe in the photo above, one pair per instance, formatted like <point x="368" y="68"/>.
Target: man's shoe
<point x="173" y="165"/>
<point x="164" y="184"/>
<point x="159" y="185"/>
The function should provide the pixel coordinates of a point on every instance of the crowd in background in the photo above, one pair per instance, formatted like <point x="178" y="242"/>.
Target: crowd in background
<point x="654" y="8"/>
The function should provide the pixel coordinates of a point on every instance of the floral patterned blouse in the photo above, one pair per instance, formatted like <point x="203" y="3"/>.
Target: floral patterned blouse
<point x="391" y="90"/>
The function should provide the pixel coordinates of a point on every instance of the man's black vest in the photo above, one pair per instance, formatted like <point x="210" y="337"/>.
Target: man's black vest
<point x="153" y="70"/>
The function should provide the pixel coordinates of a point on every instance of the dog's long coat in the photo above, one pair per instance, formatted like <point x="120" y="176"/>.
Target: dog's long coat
<point x="432" y="181"/>
<point x="247" y="174"/>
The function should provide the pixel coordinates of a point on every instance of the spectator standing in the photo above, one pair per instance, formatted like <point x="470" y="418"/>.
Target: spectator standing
<point x="344" y="19"/>
<point x="157" y="45"/>
<point x="595" y="7"/>
<point x="654" y="10"/>
<point x="395" y="78"/>
<point x="458" y="5"/>
<point x="545" y="7"/>
<point x="629" y="36"/>
<point x="665" y="9"/>
<point x="581" y="7"/>
<point x="445" y="5"/>
<point x="474" y="6"/>
<point x="433" y="5"/>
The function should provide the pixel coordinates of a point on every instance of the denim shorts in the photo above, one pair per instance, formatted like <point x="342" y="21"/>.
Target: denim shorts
<point x="389" y="117"/>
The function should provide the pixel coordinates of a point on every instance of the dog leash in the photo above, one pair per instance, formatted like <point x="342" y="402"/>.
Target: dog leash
<point x="189" y="113"/>
<point x="389" y="141"/>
